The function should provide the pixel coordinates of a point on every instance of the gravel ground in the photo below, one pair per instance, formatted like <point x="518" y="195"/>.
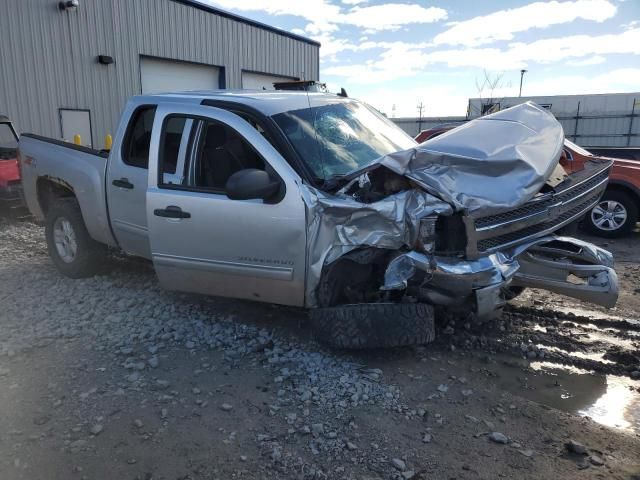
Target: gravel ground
<point x="112" y="377"/>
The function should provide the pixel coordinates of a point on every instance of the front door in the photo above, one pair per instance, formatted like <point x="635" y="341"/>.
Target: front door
<point x="201" y="240"/>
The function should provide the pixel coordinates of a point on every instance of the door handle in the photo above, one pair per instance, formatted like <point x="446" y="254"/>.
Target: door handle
<point x="123" y="183"/>
<point x="171" y="212"/>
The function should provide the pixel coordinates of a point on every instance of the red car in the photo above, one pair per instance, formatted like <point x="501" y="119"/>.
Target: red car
<point x="617" y="212"/>
<point x="10" y="185"/>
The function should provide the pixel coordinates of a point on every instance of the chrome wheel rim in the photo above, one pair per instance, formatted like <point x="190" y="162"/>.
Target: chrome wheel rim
<point x="64" y="238"/>
<point x="609" y="215"/>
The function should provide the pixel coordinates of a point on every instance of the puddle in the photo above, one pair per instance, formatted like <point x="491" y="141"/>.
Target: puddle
<point x="609" y="400"/>
<point x="619" y="407"/>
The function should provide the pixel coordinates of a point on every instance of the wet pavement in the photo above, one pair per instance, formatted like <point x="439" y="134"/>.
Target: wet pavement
<point x="610" y="400"/>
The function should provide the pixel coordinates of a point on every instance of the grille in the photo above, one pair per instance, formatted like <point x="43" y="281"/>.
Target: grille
<point x="490" y="243"/>
<point x="537" y="206"/>
<point x="538" y="217"/>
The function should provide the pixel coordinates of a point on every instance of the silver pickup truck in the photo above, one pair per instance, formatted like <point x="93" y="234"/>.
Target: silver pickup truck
<point x="316" y="200"/>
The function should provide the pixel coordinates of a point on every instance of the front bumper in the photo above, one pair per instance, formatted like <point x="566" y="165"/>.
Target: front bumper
<point x="558" y="264"/>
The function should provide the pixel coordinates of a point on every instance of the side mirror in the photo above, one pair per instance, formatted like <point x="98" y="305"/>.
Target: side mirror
<point x="251" y="183"/>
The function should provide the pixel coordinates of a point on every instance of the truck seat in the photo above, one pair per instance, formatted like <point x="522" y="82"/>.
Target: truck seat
<point x="217" y="161"/>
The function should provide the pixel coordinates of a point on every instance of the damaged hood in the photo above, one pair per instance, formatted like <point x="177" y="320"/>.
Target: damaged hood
<point x="497" y="162"/>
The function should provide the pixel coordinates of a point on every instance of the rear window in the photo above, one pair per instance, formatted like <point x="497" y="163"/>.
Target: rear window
<point x="8" y="143"/>
<point x="138" y="139"/>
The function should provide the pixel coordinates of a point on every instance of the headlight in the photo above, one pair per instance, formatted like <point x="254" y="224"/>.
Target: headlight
<point x="427" y="234"/>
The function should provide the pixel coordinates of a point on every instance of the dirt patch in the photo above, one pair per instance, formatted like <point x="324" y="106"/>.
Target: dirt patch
<point x="112" y="377"/>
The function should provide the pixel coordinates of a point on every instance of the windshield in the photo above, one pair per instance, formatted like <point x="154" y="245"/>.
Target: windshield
<point x="8" y="143"/>
<point x="339" y="138"/>
<point x="577" y="148"/>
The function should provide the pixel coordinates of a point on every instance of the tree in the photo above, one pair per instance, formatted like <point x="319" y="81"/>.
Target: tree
<point x="488" y="87"/>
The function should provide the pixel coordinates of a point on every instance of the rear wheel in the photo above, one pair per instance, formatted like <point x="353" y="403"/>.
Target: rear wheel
<point x="374" y="325"/>
<point x="615" y="215"/>
<point x="70" y="247"/>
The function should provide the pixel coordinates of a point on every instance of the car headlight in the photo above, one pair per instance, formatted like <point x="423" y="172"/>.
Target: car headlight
<point x="427" y="234"/>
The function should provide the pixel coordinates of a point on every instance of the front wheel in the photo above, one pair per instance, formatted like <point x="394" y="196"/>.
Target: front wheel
<point x="615" y="215"/>
<point x="70" y="247"/>
<point x="374" y="325"/>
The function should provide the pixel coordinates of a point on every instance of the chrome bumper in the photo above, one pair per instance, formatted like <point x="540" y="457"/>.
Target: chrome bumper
<point x="558" y="264"/>
<point x="570" y="267"/>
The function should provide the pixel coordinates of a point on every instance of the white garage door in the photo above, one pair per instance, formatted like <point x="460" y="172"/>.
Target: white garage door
<point x="159" y="75"/>
<point x="260" y="81"/>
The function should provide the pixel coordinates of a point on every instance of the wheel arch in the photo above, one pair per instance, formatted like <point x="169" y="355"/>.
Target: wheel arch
<point x="625" y="187"/>
<point x="49" y="189"/>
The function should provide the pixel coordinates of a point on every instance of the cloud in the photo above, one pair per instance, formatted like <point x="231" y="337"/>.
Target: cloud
<point x="595" y="60"/>
<point x="445" y="99"/>
<point x="324" y="16"/>
<point x="502" y="25"/>
<point x="391" y="16"/>
<point x="621" y="80"/>
<point x="631" y="24"/>
<point x="401" y="60"/>
<point x="398" y="60"/>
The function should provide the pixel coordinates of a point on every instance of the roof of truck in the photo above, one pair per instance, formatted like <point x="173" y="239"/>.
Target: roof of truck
<point x="268" y="102"/>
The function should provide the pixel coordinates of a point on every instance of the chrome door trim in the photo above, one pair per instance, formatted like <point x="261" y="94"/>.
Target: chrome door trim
<point x="219" y="266"/>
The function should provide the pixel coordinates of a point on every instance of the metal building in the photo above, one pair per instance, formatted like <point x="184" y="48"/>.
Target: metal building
<point x="67" y="70"/>
<point x="603" y="120"/>
<point x="598" y="120"/>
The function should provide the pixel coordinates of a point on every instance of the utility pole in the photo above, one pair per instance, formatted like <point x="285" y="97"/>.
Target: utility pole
<point x="420" y="108"/>
<point x="522" y="72"/>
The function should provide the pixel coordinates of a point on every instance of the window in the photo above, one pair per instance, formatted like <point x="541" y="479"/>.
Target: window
<point x="138" y="138"/>
<point x="203" y="155"/>
<point x="174" y="129"/>
<point x="336" y="139"/>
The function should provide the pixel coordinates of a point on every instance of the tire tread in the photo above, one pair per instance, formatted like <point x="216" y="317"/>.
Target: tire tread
<point x="374" y="325"/>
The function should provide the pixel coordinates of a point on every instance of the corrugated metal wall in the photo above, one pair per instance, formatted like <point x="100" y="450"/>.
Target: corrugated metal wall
<point x="48" y="58"/>
<point x="589" y="120"/>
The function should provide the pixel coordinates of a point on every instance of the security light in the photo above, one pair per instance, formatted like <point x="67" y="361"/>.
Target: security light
<point x="68" y="5"/>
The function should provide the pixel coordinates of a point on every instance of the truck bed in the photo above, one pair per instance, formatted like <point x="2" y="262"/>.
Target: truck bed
<point x="82" y="170"/>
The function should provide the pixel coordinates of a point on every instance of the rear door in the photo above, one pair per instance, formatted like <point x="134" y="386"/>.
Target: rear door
<point x="127" y="176"/>
<point x="236" y="248"/>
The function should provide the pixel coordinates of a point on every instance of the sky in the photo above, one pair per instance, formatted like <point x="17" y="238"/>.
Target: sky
<point x="397" y="54"/>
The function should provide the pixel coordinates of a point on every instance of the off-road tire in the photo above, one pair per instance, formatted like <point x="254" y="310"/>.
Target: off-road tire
<point x="513" y="292"/>
<point x="374" y="325"/>
<point x="631" y="206"/>
<point x="90" y="254"/>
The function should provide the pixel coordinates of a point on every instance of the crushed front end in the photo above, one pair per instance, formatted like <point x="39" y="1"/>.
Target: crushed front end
<point x="461" y="221"/>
